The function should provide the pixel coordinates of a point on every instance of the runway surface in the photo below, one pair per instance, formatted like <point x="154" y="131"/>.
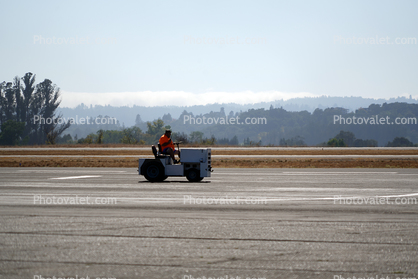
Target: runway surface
<point x="239" y="223"/>
<point x="229" y="148"/>
<point x="222" y="156"/>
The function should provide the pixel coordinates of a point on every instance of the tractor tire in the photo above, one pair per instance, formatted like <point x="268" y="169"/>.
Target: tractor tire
<point x="154" y="171"/>
<point x="193" y="175"/>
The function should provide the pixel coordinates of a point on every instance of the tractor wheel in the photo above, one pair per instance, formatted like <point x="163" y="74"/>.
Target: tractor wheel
<point x="154" y="171"/>
<point x="193" y="175"/>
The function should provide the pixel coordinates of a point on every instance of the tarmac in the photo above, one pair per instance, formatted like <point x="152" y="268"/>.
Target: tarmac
<point x="239" y="223"/>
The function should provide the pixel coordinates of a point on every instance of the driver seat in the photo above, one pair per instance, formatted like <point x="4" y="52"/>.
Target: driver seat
<point x="159" y="154"/>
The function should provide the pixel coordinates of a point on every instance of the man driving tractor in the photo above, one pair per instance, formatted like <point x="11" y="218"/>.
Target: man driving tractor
<point x="167" y="146"/>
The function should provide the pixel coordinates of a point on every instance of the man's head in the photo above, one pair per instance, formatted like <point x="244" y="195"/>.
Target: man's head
<point x="168" y="132"/>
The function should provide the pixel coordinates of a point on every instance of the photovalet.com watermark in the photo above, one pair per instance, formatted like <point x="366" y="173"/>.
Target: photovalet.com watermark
<point x="72" y="200"/>
<point x="189" y="199"/>
<point x="68" y="277"/>
<point x="221" y="277"/>
<point x="191" y="40"/>
<point x="40" y="40"/>
<point x="376" y="200"/>
<point x="371" y="277"/>
<point x="374" y="40"/>
<point x="37" y="119"/>
<point x="375" y="120"/>
<point x="188" y="119"/>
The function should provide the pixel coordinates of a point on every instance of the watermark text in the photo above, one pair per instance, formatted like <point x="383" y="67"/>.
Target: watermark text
<point x="221" y="277"/>
<point x="74" y="277"/>
<point x="371" y="277"/>
<point x="38" y="119"/>
<point x="40" y="40"/>
<point x="375" y="120"/>
<point x="188" y="119"/>
<point x="188" y="199"/>
<point x="374" y="200"/>
<point x="375" y="40"/>
<point x="223" y="40"/>
<point x="72" y="200"/>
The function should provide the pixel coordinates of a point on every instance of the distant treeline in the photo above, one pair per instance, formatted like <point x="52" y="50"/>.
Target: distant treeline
<point x="126" y="115"/>
<point x="381" y="123"/>
<point x="390" y="124"/>
<point x="135" y="135"/>
<point x="372" y="126"/>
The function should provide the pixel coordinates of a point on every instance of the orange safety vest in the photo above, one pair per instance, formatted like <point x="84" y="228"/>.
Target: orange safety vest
<point x="165" y="139"/>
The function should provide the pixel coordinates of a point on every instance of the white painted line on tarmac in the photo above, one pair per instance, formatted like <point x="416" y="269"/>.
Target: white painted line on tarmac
<point x="310" y="156"/>
<point x="76" y="156"/>
<point x="76" y="177"/>
<point x="311" y="173"/>
<point x="66" y="185"/>
<point x="70" y="170"/>
<point x="339" y="197"/>
<point x="336" y="173"/>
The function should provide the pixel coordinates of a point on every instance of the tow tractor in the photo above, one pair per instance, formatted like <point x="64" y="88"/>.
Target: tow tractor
<point x="195" y="164"/>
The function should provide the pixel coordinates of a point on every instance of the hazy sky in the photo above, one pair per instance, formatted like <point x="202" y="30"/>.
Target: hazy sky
<point x="186" y="52"/>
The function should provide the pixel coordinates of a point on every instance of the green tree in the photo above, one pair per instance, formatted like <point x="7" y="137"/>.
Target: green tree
<point x="112" y="136"/>
<point x="65" y="139"/>
<point x="365" y="143"/>
<point x="336" y="143"/>
<point x="196" y="137"/>
<point x="295" y="141"/>
<point x="400" y="142"/>
<point x="167" y="118"/>
<point x="9" y="97"/>
<point x="155" y="129"/>
<point x="11" y="132"/>
<point x="347" y="137"/>
<point x="28" y="89"/>
<point x="209" y="141"/>
<point x="89" y="139"/>
<point x="138" y="120"/>
<point x="99" y="137"/>
<point x="132" y="136"/>
<point x="234" y="141"/>
<point x="180" y="137"/>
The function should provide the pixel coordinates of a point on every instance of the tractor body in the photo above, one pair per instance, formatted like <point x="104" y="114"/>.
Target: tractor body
<point x="195" y="164"/>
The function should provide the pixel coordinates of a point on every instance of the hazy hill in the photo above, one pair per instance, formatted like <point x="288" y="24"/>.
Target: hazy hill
<point x="280" y="125"/>
<point x="127" y="115"/>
